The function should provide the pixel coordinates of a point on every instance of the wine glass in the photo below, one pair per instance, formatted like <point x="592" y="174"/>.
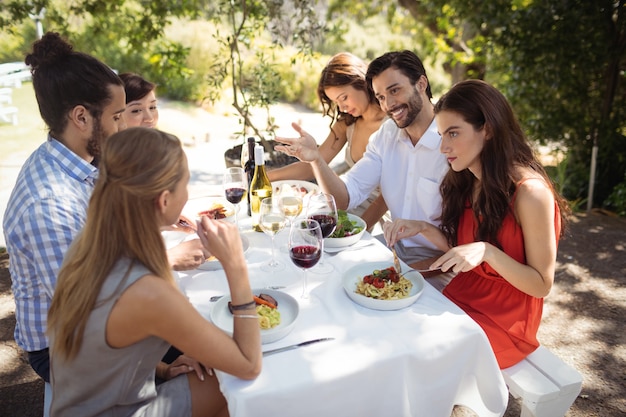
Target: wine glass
<point x="235" y="184"/>
<point x="305" y="247"/>
<point x="271" y="220"/>
<point x="323" y="209"/>
<point x="291" y="205"/>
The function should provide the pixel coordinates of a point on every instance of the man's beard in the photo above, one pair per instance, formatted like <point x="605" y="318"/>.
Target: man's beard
<point x="95" y="141"/>
<point x="414" y="107"/>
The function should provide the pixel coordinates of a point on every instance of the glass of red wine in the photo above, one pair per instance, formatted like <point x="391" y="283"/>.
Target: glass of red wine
<point x="305" y="247"/>
<point x="323" y="209"/>
<point x="235" y="184"/>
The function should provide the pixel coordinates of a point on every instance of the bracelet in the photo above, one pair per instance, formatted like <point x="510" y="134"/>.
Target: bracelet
<point x="245" y="316"/>
<point x="243" y="306"/>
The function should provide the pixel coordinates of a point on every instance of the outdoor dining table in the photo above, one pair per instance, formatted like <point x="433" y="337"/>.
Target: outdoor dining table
<point x="417" y="361"/>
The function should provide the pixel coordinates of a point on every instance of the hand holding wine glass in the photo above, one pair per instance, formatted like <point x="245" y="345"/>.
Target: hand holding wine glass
<point x="235" y="184"/>
<point x="271" y="220"/>
<point x="323" y="209"/>
<point x="305" y="247"/>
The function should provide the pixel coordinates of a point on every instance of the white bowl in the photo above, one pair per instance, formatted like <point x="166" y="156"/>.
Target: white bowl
<point x="197" y="205"/>
<point x="342" y="242"/>
<point x="355" y="274"/>
<point x="287" y="306"/>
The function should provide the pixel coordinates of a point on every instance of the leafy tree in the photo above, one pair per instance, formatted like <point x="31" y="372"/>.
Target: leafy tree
<point x="250" y="34"/>
<point x="561" y="63"/>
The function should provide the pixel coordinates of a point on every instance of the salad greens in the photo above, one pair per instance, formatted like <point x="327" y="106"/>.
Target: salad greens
<point x="345" y="226"/>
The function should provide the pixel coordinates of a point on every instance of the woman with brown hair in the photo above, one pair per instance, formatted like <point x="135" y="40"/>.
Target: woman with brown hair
<point x="501" y="219"/>
<point x="141" y="103"/>
<point x="355" y="115"/>
<point x="117" y="309"/>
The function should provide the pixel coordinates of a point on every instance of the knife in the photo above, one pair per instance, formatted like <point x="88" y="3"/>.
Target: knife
<point x="290" y="347"/>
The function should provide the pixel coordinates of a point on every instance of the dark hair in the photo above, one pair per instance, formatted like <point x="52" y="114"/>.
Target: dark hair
<point x="406" y="61"/>
<point x="483" y="106"/>
<point x="343" y="69"/>
<point x="136" y="87"/>
<point x="64" y="79"/>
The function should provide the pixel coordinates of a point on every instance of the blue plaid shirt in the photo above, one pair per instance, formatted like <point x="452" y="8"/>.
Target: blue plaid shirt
<point x="46" y="210"/>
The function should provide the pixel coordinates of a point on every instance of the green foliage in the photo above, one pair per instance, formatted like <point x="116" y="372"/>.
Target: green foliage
<point x="617" y="199"/>
<point x="561" y="63"/>
<point x="246" y="57"/>
<point x="13" y="46"/>
<point x="563" y="82"/>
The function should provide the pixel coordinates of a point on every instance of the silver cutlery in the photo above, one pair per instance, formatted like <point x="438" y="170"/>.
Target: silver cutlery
<point x="271" y="287"/>
<point x="296" y="346"/>
<point x="438" y="270"/>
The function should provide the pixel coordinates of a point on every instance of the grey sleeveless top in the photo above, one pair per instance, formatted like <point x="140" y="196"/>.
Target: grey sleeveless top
<point x="101" y="380"/>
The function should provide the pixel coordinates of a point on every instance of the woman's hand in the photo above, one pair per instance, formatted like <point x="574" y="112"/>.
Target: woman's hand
<point x="463" y="258"/>
<point x="221" y="238"/>
<point x="187" y="255"/>
<point x="182" y="365"/>
<point x="304" y="148"/>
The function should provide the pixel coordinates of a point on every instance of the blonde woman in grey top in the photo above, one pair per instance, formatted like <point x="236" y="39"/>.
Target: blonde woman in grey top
<point x="116" y="308"/>
<point x="355" y="113"/>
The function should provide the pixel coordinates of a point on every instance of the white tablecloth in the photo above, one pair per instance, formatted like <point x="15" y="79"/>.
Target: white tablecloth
<point x="418" y="361"/>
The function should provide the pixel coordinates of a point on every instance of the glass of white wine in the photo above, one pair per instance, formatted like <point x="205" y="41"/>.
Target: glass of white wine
<point x="291" y="205"/>
<point x="271" y="220"/>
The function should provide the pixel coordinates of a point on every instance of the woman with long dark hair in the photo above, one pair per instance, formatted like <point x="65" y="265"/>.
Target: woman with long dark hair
<point x="501" y="219"/>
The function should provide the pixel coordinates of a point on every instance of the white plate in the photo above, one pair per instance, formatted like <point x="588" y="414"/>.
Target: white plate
<point x="342" y="242"/>
<point x="310" y="187"/>
<point x="174" y="237"/>
<point x="287" y="306"/>
<point x="199" y="204"/>
<point x="212" y="263"/>
<point x="355" y="274"/>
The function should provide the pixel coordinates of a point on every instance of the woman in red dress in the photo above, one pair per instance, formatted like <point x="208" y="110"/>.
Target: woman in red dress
<point x="501" y="219"/>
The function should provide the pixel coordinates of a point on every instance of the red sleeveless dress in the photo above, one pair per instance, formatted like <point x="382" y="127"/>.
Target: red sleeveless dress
<point x="509" y="317"/>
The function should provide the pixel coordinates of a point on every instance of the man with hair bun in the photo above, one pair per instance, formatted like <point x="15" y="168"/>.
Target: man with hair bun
<point x="81" y="100"/>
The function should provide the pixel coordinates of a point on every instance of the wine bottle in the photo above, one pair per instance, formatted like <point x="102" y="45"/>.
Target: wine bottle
<point x="260" y="188"/>
<point x="249" y="169"/>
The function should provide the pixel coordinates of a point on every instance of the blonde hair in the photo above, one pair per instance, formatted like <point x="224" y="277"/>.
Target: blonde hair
<point x="137" y="165"/>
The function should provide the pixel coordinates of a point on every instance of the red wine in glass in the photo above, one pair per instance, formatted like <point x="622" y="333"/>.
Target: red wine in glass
<point x="327" y="223"/>
<point x="235" y="185"/>
<point x="235" y="195"/>
<point x="305" y="256"/>
<point x="305" y="247"/>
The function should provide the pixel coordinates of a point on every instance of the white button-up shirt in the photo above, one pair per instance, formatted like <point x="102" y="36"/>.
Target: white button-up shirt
<point x="409" y="176"/>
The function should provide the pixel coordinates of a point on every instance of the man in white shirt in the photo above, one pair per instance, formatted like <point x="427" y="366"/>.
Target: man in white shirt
<point x="402" y="156"/>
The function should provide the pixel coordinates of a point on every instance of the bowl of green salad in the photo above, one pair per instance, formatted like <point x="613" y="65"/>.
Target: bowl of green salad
<point x="349" y="230"/>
